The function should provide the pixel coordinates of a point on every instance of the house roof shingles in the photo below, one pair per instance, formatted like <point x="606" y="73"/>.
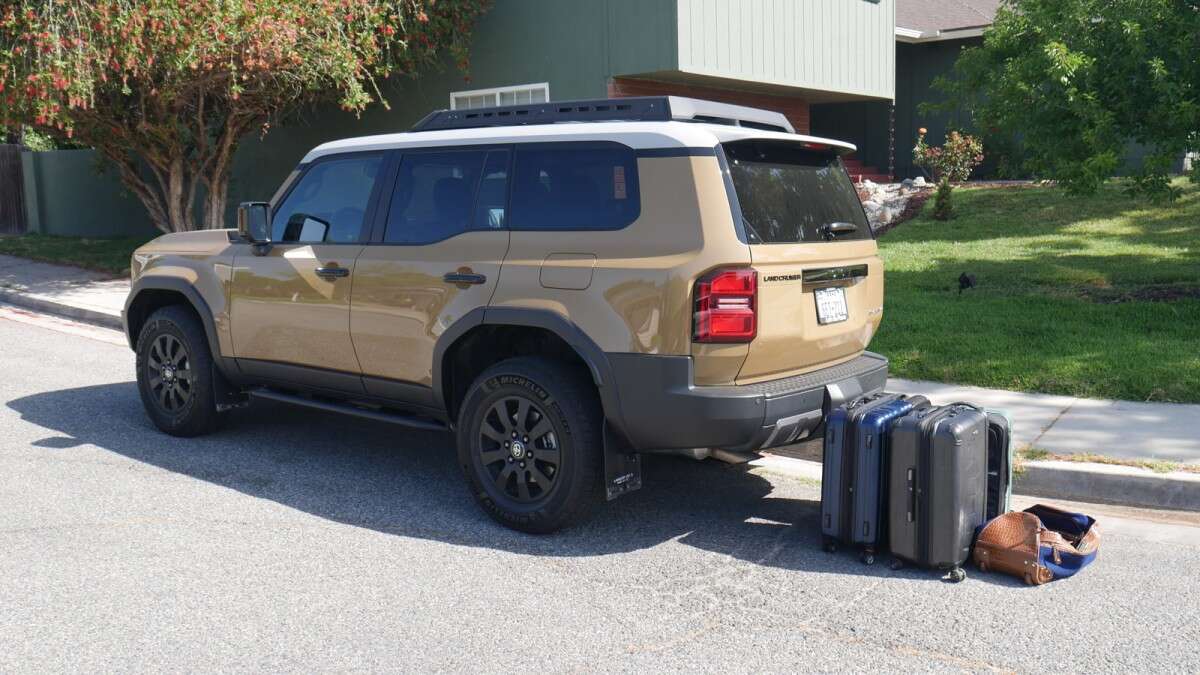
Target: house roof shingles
<point x="929" y="16"/>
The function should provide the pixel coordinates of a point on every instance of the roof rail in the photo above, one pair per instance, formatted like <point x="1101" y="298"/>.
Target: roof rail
<point x="631" y="109"/>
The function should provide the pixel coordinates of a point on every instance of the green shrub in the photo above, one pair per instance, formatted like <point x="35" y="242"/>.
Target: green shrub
<point x="943" y="209"/>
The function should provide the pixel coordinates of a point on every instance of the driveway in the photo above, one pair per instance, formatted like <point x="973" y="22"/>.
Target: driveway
<point x="293" y="540"/>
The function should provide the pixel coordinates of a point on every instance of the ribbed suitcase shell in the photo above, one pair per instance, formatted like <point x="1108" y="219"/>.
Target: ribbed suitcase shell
<point x="855" y="457"/>
<point x="937" y="484"/>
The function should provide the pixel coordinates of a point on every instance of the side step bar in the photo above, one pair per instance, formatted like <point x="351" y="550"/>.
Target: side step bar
<point x="351" y="409"/>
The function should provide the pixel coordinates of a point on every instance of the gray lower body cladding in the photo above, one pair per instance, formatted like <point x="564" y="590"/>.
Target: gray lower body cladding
<point x="661" y="408"/>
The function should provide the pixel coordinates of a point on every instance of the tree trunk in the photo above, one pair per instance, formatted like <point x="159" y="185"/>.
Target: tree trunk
<point x="166" y="200"/>
<point x="216" y="178"/>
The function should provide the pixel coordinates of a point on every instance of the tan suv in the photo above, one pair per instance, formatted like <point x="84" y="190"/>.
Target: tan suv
<point x="563" y="285"/>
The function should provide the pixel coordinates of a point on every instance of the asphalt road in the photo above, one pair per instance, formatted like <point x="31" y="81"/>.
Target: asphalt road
<point x="293" y="540"/>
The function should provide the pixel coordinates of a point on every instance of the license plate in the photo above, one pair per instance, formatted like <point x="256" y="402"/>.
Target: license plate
<point x="831" y="305"/>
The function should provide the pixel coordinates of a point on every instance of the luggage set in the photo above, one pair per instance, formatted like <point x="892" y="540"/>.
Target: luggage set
<point x="923" y="480"/>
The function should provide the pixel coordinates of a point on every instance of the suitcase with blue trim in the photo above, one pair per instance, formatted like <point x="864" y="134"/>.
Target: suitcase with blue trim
<point x="853" y="480"/>
<point x="1000" y="461"/>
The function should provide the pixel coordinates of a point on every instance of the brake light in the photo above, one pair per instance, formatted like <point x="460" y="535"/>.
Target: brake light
<point x="726" y="302"/>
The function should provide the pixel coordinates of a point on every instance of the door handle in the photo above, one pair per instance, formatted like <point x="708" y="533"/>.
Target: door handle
<point x="464" y="278"/>
<point x="333" y="272"/>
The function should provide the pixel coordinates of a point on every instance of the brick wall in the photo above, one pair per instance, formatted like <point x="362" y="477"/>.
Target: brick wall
<point x="795" y="109"/>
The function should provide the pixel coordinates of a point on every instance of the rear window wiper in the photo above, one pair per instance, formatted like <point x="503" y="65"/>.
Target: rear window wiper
<point x="831" y="230"/>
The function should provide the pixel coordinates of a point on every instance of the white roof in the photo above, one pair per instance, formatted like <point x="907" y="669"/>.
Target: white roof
<point x="637" y="135"/>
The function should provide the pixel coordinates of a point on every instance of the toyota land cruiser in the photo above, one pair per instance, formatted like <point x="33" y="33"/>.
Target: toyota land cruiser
<point x="562" y="285"/>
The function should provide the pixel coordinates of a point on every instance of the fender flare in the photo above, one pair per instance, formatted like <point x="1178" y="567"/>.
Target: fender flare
<point x="160" y="283"/>
<point x="591" y="354"/>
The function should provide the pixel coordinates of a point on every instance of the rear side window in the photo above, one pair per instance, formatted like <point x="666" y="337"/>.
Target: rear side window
<point x="441" y="194"/>
<point x="574" y="186"/>
<point x="790" y="194"/>
<point x="328" y="203"/>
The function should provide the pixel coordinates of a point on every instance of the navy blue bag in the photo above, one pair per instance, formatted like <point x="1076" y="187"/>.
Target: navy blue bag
<point x="1039" y="544"/>
<point x="1076" y="545"/>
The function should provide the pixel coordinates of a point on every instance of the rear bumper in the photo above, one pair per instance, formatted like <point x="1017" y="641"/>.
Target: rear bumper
<point x="661" y="408"/>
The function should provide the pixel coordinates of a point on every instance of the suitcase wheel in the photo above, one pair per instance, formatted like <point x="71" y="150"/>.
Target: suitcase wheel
<point x="957" y="574"/>
<point x="868" y="558"/>
<point x="896" y="565"/>
<point x="829" y="545"/>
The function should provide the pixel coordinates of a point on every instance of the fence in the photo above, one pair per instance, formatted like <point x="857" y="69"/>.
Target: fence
<point x="12" y="202"/>
<point x="67" y="194"/>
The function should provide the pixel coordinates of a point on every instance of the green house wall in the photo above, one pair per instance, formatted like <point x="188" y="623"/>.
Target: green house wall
<point x="573" y="46"/>
<point x="867" y="125"/>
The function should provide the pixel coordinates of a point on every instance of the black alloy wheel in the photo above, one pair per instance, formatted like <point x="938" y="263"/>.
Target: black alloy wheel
<point x="518" y="448"/>
<point x="169" y="373"/>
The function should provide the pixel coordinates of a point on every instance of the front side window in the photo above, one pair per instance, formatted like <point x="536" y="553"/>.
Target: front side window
<point x="574" y="187"/>
<point x="791" y="194"/>
<point x="442" y="194"/>
<point x="329" y="203"/>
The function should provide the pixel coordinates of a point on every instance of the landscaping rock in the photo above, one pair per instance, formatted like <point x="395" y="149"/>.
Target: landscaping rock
<point x="884" y="203"/>
<point x="919" y="181"/>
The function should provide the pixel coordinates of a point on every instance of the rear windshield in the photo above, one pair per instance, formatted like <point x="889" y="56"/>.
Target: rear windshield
<point x="790" y="194"/>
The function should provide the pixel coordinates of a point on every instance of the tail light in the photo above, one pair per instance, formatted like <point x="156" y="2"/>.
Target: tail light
<point x="726" y="302"/>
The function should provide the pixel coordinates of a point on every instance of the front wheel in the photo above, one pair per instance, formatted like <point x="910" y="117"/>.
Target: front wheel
<point x="530" y="444"/>
<point x="175" y="373"/>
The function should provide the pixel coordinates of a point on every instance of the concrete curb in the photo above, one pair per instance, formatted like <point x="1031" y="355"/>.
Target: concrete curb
<point x="40" y="304"/>
<point x="1110" y="484"/>
<point x="1068" y="481"/>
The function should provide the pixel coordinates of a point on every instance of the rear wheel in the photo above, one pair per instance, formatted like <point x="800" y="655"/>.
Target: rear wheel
<point x="530" y="444"/>
<point x="175" y="373"/>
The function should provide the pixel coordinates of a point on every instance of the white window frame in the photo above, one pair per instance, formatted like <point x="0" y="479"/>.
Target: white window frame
<point x="495" y="92"/>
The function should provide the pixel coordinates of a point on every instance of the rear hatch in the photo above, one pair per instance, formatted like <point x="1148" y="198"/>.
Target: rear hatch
<point x="820" y="279"/>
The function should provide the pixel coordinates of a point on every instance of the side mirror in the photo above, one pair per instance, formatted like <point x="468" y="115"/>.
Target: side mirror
<point x="254" y="222"/>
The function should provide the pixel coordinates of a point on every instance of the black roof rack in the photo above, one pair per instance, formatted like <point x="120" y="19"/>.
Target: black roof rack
<point x="632" y="109"/>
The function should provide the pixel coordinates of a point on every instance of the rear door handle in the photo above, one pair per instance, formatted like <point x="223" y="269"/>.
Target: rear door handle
<point x="333" y="272"/>
<point x="464" y="278"/>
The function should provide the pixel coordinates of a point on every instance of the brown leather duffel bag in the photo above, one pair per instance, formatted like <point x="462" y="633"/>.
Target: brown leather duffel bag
<point x="1038" y="545"/>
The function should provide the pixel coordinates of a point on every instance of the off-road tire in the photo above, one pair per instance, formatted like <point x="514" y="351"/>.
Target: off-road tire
<point x="197" y="414"/>
<point x="562" y="395"/>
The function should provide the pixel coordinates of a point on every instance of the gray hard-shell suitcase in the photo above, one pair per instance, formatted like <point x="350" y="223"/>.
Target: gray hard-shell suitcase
<point x="853" y="483"/>
<point x="938" y="485"/>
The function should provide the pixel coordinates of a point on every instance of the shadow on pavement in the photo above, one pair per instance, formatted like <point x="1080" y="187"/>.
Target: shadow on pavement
<point x="396" y="481"/>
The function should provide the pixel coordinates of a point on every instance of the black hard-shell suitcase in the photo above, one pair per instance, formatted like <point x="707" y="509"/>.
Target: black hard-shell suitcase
<point x="999" y="445"/>
<point x="853" y="470"/>
<point x="938" y="485"/>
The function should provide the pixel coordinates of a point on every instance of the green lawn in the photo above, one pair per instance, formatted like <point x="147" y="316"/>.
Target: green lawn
<point x="101" y="255"/>
<point x="1090" y="296"/>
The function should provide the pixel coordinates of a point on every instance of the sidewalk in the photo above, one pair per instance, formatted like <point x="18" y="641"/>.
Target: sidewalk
<point x="1064" y="425"/>
<point x="65" y="291"/>
<point x="1060" y="425"/>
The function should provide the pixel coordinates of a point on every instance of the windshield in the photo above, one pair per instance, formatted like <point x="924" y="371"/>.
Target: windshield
<point x="791" y="194"/>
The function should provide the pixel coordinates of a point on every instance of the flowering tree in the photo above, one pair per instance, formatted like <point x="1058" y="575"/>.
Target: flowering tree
<point x="953" y="162"/>
<point x="166" y="89"/>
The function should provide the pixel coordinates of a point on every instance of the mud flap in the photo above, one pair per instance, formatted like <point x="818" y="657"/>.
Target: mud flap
<point x="227" y="396"/>
<point x="622" y="466"/>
